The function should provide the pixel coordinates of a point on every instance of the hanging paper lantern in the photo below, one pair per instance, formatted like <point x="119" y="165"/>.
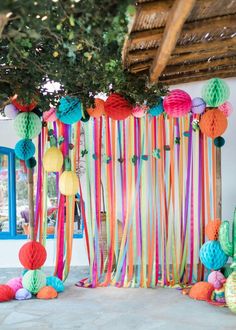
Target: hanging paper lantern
<point x="85" y="117"/>
<point x="50" y="115"/>
<point x="27" y="125"/>
<point x="32" y="255"/>
<point x="226" y="108"/>
<point x="212" y="229"/>
<point x="15" y="283"/>
<point x="34" y="280"/>
<point x="230" y="292"/>
<point x="198" y="105"/>
<point x="47" y="292"/>
<point x="6" y="293"/>
<point x="139" y="111"/>
<point x="69" y="110"/>
<point x="117" y="107"/>
<point x="213" y="123"/>
<point x="11" y="111"/>
<point x="216" y="278"/>
<point x="212" y="256"/>
<point x="157" y="109"/>
<point x="68" y="181"/>
<point x="98" y="110"/>
<point x="24" y="149"/>
<point x="177" y="103"/>
<point x="23" y="294"/>
<point x="56" y="283"/>
<point x="31" y="163"/>
<point x="53" y="158"/>
<point x="219" y="141"/>
<point x="201" y="291"/>
<point x="215" y="92"/>
<point x="23" y="105"/>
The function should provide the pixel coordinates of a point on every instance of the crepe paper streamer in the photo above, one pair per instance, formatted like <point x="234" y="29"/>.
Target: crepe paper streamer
<point x="31" y="163"/>
<point x="23" y="294"/>
<point x="217" y="279"/>
<point x="32" y="255"/>
<point x="24" y="149"/>
<point x="27" y="125"/>
<point x="212" y="256"/>
<point x="226" y="108"/>
<point x="15" y="283"/>
<point x="230" y="292"/>
<point x="117" y="107"/>
<point x="177" y="103"/>
<point x="212" y="229"/>
<point x="213" y="123"/>
<point x="50" y="115"/>
<point x="47" y="292"/>
<point x="56" y="283"/>
<point x="98" y="110"/>
<point x="11" y="111"/>
<point x="215" y="92"/>
<point x="34" y="280"/>
<point x="198" y="105"/>
<point x="6" y="293"/>
<point x="69" y="110"/>
<point x="157" y="110"/>
<point x="139" y="111"/>
<point x="201" y="291"/>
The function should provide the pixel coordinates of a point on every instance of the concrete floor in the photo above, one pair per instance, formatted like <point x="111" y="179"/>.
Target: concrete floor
<point x="112" y="308"/>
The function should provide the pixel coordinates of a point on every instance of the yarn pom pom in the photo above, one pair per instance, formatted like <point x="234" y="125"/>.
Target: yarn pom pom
<point x="219" y="142"/>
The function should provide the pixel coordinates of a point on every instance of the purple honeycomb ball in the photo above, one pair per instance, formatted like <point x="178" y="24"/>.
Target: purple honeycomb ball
<point x="198" y="105"/>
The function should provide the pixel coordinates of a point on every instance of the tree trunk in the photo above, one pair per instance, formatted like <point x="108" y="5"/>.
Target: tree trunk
<point x="3" y="22"/>
<point x="31" y="203"/>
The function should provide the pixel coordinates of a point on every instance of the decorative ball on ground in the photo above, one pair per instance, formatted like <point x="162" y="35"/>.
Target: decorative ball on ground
<point x="47" y="292"/>
<point x="50" y="115"/>
<point x="32" y="255"/>
<point x="212" y="229"/>
<point x="139" y="111"/>
<point x="219" y="141"/>
<point x="23" y="294"/>
<point x="98" y="110"/>
<point x="69" y="110"/>
<point x="11" y="111"/>
<point x="218" y="295"/>
<point x="53" y="160"/>
<point x="217" y="279"/>
<point x="117" y="107"/>
<point x="6" y="293"/>
<point x="215" y="92"/>
<point x="230" y="292"/>
<point x="201" y="291"/>
<point x="226" y="271"/>
<point x="177" y="103"/>
<point x="31" y="163"/>
<point x="23" y="105"/>
<point x="27" y="125"/>
<point x="68" y="181"/>
<point x="24" y="149"/>
<point x="198" y="105"/>
<point x="212" y="256"/>
<point x="85" y="116"/>
<point x="56" y="283"/>
<point x="15" y="283"/>
<point x="213" y="123"/>
<point x="226" y="108"/>
<point x="34" y="280"/>
<point x="157" y="109"/>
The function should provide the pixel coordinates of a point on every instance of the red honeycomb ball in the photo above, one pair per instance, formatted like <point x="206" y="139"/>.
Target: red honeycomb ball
<point x="117" y="107"/>
<point x="6" y="293"/>
<point x="32" y="255"/>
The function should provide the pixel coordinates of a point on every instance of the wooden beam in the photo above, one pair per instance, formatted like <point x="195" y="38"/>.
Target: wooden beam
<point x="156" y="6"/>
<point x="140" y="67"/>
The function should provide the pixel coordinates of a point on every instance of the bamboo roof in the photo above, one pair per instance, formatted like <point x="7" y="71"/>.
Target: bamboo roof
<point x="177" y="41"/>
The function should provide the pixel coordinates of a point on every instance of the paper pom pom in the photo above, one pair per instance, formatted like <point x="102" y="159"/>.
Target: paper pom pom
<point x="27" y="125"/>
<point x="47" y="292"/>
<point x="31" y="163"/>
<point x="11" y="111"/>
<point x="201" y="291"/>
<point x="219" y="141"/>
<point x="198" y="105"/>
<point x="56" y="283"/>
<point x="85" y="117"/>
<point x="212" y="229"/>
<point x="69" y="110"/>
<point x="98" y="110"/>
<point x="215" y="92"/>
<point x="226" y="108"/>
<point x="217" y="279"/>
<point x="157" y="109"/>
<point x="23" y="294"/>
<point x="177" y="103"/>
<point x="212" y="256"/>
<point x="32" y="255"/>
<point x="139" y="111"/>
<point x="226" y="271"/>
<point x="15" y="283"/>
<point x="213" y="123"/>
<point x="24" y="149"/>
<point x="117" y="107"/>
<point x="6" y="293"/>
<point x="34" y="280"/>
<point x="230" y="292"/>
<point x="23" y="105"/>
<point x="50" y="115"/>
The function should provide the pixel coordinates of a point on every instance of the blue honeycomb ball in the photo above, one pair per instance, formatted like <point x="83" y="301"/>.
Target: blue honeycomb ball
<point x="27" y="125"/>
<point x="157" y="109"/>
<point x="56" y="283"/>
<point x="69" y="110"/>
<point x="212" y="256"/>
<point x="24" y="149"/>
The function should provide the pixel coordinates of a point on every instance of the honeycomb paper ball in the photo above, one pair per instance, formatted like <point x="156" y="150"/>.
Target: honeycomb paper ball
<point x="32" y="255"/>
<point x="23" y="294"/>
<point x="212" y="256"/>
<point x="56" y="283"/>
<point x="117" y="107"/>
<point x="69" y="110"/>
<point x="198" y="105"/>
<point x="230" y="292"/>
<point x="27" y="125"/>
<point x="177" y="103"/>
<point x="6" y="293"/>
<point x="50" y="115"/>
<point x="139" y="111"/>
<point x="15" y="283"/>
<point x="23" y="105"/>
<point x="217" y="279"/>
<point x="201" y="291"/>
<point x="47" y="292"/>
<point x="11" y="111"/>
<point x="212" y="229"/>
<point x="24" y="149"/>
<point x="157" y="109"/>
<point x="34" y="280"/>
<point x="215" y="92"/>
<point x="226" y="108"/>
<point x="98" y="110"/>
<point x="213" y="123"/>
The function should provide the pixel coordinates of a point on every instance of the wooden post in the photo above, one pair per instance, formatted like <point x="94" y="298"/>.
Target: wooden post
<point x="218" y="184"/>
<point x="31" y="202"/>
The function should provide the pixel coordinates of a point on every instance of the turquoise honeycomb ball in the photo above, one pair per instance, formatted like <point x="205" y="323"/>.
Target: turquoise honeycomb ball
<point x="157" y="109"/>
<point x="56" y="283"/>
<point x="69" y="110"/>
<point x="24" y="149"/>
<point x="27" y="125"/>
<point x="212" y="256"/>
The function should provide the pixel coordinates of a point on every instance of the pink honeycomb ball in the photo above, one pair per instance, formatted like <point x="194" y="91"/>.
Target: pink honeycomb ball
<point x="177" y="103"/>
<point x="226" y="108"/>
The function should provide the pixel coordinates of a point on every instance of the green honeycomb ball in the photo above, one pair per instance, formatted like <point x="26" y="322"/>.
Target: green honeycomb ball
<point x="27" y="125"/>
<point x="215" y="92"/>
<point x="34" y="280"/>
